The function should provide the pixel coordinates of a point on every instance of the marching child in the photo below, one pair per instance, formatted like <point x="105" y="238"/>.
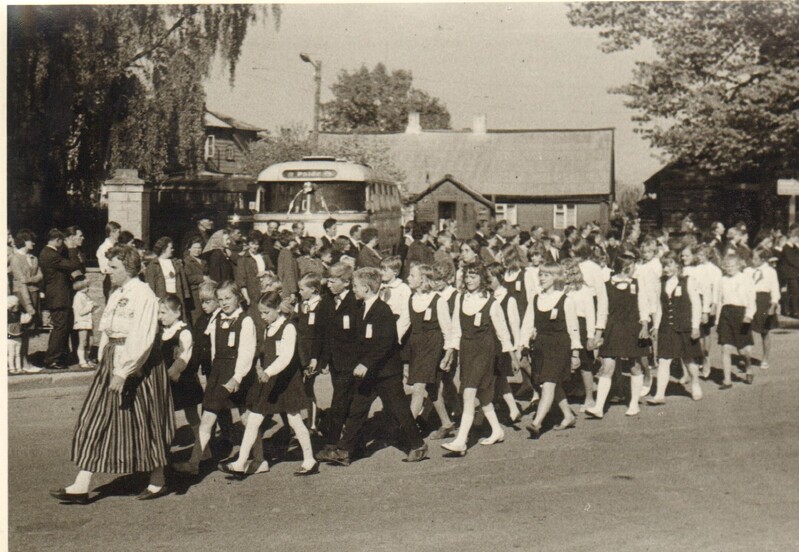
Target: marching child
<point x="583" y="300"/>
<point x="82" y="308"/>
<point x="233" y="347"/>
<point x="429" y="347"/>
<point x="737" y="305"/>
<point x="625" y="335"/>
<point x="311" y="341"/>
<point x="767" y="299"/>
<point x="709" y="273"/>
<point x="176" y="350"/>
<point x="477" y="322"/>
<point x="677" y="320"/>
<point x="394" y="292"/>
<point x="551" y="322"/>
<point x="648" y="273"/>
<point x="442" y="280"/>
<point x="279" y="390"/>
<point x="519" y="280"/>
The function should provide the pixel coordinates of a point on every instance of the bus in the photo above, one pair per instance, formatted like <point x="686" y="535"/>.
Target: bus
<point x="317" y="188"/>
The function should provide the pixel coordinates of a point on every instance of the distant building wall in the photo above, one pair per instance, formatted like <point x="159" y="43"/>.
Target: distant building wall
<point x="467" y="210"/>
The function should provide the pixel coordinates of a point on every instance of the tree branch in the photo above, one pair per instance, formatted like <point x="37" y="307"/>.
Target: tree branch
<point x="157" y="44"/>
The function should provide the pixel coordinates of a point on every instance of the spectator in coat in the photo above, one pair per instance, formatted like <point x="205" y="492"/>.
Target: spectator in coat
<point x="165" y="275"/>
<point x="251" y="266"/>
<point x="420" y="251"/>
<point x="201" y="231"/>
<point x="194" y="267"/>
<point x="368" y="255"/>
<point x="217" y="253"/>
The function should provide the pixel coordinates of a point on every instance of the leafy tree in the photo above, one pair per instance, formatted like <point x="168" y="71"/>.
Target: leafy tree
<point x="379" y="101"/>
<point x="93" y="88"/>
<point x="723" y="93"/>
<point x="294" y="143"/>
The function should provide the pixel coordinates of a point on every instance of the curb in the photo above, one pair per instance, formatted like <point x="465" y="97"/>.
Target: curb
<point x="45" y="381"/>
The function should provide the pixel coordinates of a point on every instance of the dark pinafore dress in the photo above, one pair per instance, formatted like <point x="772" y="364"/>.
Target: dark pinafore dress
<point x="283" y="392"/>
<point x="309" y="339"/>
<point x="226" y="340"/>
<point x="622" y="332"/>
<point x="674" y="332"/>
<point x="425" y="344"/>
<point x="478" y="349"/>
<point x="503" y="366"/>
<point x="518" y="291"/>
<point x="187" y="391"/>
<point x="552" y="347"/>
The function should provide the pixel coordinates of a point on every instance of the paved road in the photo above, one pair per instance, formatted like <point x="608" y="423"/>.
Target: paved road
<point x="720" y="474"/>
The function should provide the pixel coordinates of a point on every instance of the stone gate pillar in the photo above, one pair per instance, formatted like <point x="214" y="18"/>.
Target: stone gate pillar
<point x="129" y="202"/>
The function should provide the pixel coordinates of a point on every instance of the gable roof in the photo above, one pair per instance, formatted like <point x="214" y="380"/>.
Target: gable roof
<point x="504" y="162"/>
<point x="217" y="120"/>
<point x="463" y="187"/>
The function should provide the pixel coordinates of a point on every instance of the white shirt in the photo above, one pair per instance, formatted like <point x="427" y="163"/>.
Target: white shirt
<point x="248" y="340"/>
<point x="131" y="314"/>
<point x="285" y="347"/>
<point x="186" y="344"/>
<point x="738" y="290"/>
<point x="546" y="302"/>
<point x="170" y="278"/>
<point x="693" y="294"/>
<point x="766" y="281"/>
<point x="101" y="258"/>
<point x="420" y="302"/>
<point x="367" y="304"/>
<point x="259" y="263"/>
<point x="595" y="279"/>
<point x="396" y="295"/>
<point x="583" y="300"/>
<point x="648" y="275"/>
<point x="709" y="276"/>
<point x="472" y="303"/>
<point x="512" y="312"/>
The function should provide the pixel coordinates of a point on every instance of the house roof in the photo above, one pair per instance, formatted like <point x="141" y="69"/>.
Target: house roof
<point x="504" y="162"/>
<point x="217" y="120"/>
<point x="463" y="187"/>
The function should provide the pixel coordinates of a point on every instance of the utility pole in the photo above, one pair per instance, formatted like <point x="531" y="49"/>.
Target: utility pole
<point x="317" y="77"/>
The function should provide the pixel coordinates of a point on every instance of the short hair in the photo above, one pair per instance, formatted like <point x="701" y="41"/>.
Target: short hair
<point x="324" y="250"/>
<point x="207" y="290"/>
<point x="624" y="262"/>
<point x="428" y="276"/>
<point x="368" y="234"/>
<point x="307" y="245"/>
<point x="270" y="300"/>
<point x="501" y="223"/>
<point x="54" y="234"/>
<point x="296" y="225"/>
<point x="23" y="235"/>
<point x="285" y="237"/>
<point x="420" y="229"/>
<point x="368" y="276"/>
<point x="111" y="227"/>
<point x="254" y="236"/>
<point x="329" y="223"/>
<point x="537" y="249"/>
<point x="137" y="243"/>
<point x="763" y="253"/>
<point x="174" y="304"/>
<point x="341" y="271"/>
<point x="70" y="231"/>
<point x="125" y="237"/>
<point x="232" y="287"/>
<point x="444" y="271"/>
<point x="582" y="249"/>
<point x="524" y="236"/>
<point x="193" y="240"/>
<point x="128" y="256"/>
<point x="393" y="263"/>
<point x="671" y="257"/>
<point x="311" y="280"/>
<point x="557" y="272"/>
<point x="354" y="229"/>
<point x="161" y="244"/>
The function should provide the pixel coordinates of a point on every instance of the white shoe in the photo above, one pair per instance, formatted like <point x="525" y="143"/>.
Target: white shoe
<point x="764" y="365"/>
<point x="31" y="370"/>
<point x="696" y="393"/>
<point x="633" y="411"/>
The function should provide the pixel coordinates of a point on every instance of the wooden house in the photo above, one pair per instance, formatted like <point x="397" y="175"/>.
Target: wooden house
<point x="450" y="199"/>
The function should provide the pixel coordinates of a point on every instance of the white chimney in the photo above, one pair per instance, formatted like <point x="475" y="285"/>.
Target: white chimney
<point x="414" y="126"/>
<point x="479" y="124"/>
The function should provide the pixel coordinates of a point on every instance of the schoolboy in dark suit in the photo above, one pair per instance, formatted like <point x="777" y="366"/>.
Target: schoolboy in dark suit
<point x="378" y="372"/>
<point x="368" y="255"/>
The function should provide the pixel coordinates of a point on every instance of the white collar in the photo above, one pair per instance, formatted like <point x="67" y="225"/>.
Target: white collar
<point x="169" y="332"/>
<point x="277" y="323"/>
<point x="395" y="283"/>
<point x="236" y="313"/>
<point x="367" y="304"/>
<point x="500" y="293"/>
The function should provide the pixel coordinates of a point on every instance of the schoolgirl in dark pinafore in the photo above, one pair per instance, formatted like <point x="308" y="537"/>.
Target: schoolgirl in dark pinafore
<point x="187" y="391"/>
<point x="226" y="346"/>
<point x="516" y="289"/>
<point x="552" y="347"/>
<point x="503" y="367"/>
<point x="425" y="347"/>
<point x="477" y="352"/>
<point x="622" y="332"/>
<point x="283" y="392"/>
<point x="310" y="341"/>
<point x="674" y="332"/>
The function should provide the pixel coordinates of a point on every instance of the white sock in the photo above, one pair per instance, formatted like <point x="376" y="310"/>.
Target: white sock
<point x="602" y="391"/>
<point x="154" y="488"/>
<point x="636" y="384"/>
<point x="664" y="369"/>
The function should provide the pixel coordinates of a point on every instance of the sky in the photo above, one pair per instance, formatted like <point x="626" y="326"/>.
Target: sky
<point x="522" y="65"/>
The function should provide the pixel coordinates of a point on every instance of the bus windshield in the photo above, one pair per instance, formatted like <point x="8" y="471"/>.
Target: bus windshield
<point x="336" y="196"/>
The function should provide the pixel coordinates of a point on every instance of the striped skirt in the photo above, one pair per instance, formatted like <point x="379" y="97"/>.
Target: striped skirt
<point x="129" y="431"/>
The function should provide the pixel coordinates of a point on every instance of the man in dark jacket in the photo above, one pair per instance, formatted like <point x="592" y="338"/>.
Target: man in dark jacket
<point x="378" y="373"/>
<point x="58" y="272"/>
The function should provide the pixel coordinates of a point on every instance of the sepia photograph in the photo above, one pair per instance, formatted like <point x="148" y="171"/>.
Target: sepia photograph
<point x="468" y="277"/>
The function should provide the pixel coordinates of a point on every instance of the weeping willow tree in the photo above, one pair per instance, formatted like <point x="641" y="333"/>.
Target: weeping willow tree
<point x="94" y="88"/>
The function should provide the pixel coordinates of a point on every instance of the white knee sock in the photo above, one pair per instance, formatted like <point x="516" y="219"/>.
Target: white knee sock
<point x="602" y="391"/>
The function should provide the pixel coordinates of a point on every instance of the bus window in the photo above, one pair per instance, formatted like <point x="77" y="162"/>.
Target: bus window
<point x="336" y="196"/>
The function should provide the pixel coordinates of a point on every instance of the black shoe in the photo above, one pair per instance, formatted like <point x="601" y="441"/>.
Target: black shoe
<point x="70" y="498"/>
<point x="418" y="454"/>
<point x="147" y="494"/>
<point x="339" y="457"/>
<point x="725" y="386"/>
<point x="56" y="366"/>
<point x="311" y="471"/>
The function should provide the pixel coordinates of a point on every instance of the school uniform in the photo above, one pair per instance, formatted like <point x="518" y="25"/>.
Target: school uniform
<point x="283" y="391"/>
<point x="648" y="276"/>
<point x="625" y="312"/>
<point x="342" y="346"/>
<point x="233" y="348"/>
<point x="477" y="322"/>
<point x="396" y="295"/>
<point x="311" y="343"/>
<point x="377" y="348"/>
<point x="767" y="293"/>
<point x="737" y="300"/>
<point x="429" y="336"/>
<point x="201" y="344"/>
<point x="709" y="276"/>
<point x="679" y="313"/>
<point x="522" y="286"/>
<point x="584" y="308"/>
<point x="452" y="397"/>
<point x="596" y="280"/>
<point x="503" y="366"/>
<point x="187" y="391"/>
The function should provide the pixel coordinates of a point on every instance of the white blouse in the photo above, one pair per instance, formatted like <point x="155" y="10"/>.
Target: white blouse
<point x="648" y="275"/>
<point x="472" y="303"/>
<point x="285" y="347"/>
<point x="583" y="300"/>
<point x="766" y="281"/>
<point x="170" y="278"/>
<point x="396" y="296"/>
<point x="546" y="302"/>
<point x="737" y="290"/>
<point x="186" y="344"/>
<point x="595" y="279"/>
<point x="514" y="320"/>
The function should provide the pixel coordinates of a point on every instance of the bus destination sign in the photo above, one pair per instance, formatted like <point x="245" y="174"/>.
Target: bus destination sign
<point x="310" y="173"/>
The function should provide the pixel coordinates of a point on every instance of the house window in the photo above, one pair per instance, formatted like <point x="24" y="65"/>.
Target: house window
<point x="506" y="211"/>
<point x="564" y="215"/>
<point x="210" y="147"/>
<point x="230" y="153"/>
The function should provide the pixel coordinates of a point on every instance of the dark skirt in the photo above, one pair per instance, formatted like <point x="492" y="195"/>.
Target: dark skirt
<point x="705" y="329"/>
<point x="587" y="357"/>
<point x="678" y="345"/>
<point x="551" y="358"/>
<point x="621" y="340"/>
<point x="216" y="397"/>
<point x="763" y="322"/>
<point x="282" y="393"/>
<point x="732" y="330"/>
<point x="187" y="391"/>
<point x="127" y="432"/>
<point x="477" y="363"/>
<point x="425" y="351"/>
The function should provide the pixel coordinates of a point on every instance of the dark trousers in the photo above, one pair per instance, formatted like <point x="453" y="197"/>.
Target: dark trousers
<point x="395" y="403"/>
<point x="793" y="296"/>
<point x="106" y="287"/>
<point x="59" y="336"/>
<point x="344" y="385"/>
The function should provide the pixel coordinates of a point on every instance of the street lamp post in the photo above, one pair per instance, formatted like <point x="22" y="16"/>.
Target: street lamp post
<point x="317" y="77"/>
